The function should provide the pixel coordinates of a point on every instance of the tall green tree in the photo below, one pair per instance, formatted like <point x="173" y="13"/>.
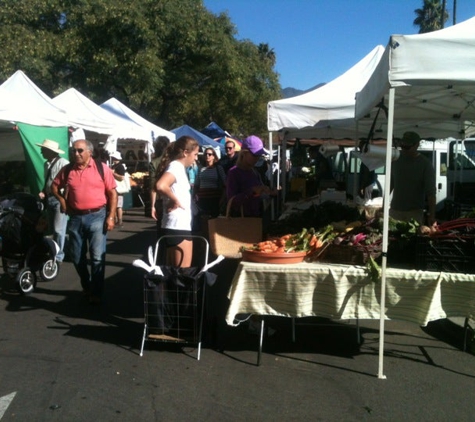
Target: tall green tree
<point x="431" y="17"/>
<point x="174" y="62"/>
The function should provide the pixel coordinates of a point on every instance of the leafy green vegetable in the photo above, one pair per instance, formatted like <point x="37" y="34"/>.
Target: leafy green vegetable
<point x="374" y="270"/>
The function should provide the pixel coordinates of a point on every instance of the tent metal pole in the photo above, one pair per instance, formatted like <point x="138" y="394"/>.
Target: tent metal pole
<point x="387" y="186"/>
<point x="355" y="174"/>
<point x="271" y="178"/>
<point x="284" y="170"/>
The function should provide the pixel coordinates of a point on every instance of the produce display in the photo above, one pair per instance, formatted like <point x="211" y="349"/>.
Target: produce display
<point x="341" y="234"/>
<point x="139" y="175"/>
<point x="305" y="241"/>
<point x="289" y="248"/>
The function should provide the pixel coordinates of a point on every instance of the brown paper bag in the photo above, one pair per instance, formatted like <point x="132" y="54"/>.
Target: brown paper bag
<point x="227" y="234"/>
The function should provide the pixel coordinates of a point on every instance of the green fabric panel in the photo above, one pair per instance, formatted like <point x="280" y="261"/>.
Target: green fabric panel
<point x="32" y="135"/>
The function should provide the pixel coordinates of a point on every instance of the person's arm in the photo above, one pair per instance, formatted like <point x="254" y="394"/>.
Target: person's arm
<point x="431" y="203"/>
<point x="112" y="208"/>
<point x="61" y="199"/>
<point x="56" y="186"/>
<point x="119" y="172"/>
<point x="118" y="177"/>
<point x="153" y="199"/>
<point x="163" y="187"/>
<point x="221" y="176"/>
<point x="233" y="189"/>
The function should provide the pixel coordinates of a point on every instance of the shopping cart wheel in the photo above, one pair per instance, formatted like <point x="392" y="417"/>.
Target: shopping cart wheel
<point x="49" y="270"/>
<point x="26" y="281"/>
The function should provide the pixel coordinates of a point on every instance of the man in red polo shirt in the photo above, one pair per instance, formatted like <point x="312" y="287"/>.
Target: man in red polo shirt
<point x="89" y="197"/>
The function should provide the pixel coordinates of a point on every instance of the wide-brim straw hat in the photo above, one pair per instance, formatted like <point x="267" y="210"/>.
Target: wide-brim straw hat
<point x="51" y="145"/>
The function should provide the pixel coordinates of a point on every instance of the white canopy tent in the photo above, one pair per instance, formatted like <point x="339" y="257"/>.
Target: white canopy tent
<point x="85" y="114"/>
<point x="328" y="111"/>
<point x="426" y="80"/>
<point x="22" y="101"/>
<point x="115" y="107"/>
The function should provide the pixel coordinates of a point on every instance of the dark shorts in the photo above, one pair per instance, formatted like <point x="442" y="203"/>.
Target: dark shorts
<point x="180" y="236"/>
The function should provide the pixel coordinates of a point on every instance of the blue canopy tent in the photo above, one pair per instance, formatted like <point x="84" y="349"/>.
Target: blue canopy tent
<point x="214" y="131"/>
<point x="202" y="139"/>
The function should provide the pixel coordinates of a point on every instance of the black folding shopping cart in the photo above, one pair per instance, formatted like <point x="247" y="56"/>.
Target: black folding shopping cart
<point x="174" y="300"/>
<point x="25" y="250"/>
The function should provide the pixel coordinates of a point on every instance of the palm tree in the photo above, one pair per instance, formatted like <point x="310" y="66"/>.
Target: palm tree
<point x="430" y="17"/>
<point x="454" y="13"/>
<point x="266" y="53"/>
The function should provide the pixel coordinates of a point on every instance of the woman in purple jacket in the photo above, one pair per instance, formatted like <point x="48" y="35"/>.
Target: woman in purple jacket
<point x="244" y="183"/>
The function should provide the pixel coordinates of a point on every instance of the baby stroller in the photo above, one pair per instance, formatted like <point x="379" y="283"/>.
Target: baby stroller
<point x="24" y="249"/>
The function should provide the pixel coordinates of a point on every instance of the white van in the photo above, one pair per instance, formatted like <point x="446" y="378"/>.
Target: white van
<point x="435" y="151"/>
<point x="461" y="171"/>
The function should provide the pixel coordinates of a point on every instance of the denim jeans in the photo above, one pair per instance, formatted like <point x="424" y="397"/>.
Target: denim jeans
<point x="57" y="222"/>
<point x="87" y="233"/>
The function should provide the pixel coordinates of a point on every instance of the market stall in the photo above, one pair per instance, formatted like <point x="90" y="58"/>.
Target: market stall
<point x="424" y="79"/>
<point x="347" y="292"/>
<point x="331" y="268"/>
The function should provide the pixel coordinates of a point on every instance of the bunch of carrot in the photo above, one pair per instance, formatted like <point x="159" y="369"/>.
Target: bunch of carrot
<point x="305" y="241"/>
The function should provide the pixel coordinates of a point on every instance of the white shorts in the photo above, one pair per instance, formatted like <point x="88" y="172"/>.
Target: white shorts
<point x="120" y="201"/>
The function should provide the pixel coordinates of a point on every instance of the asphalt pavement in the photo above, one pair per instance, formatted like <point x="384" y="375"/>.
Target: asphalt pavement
<point x="62" y="359"/>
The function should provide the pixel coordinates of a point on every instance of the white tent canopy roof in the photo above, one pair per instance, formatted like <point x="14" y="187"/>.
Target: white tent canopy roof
<point x="327" y="111"/>
<point x="115" y="107"/>
<point x="434" y="80"/>
<point x="85" y="114"/>
<point x="21" y="101"/>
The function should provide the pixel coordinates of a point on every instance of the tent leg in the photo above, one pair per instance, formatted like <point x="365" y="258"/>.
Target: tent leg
<point x="389" y="146"/>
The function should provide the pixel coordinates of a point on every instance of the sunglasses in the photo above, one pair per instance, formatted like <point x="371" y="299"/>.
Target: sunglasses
<point x="78" y="150"/>
<point x="209" y="153"/>
<point x="406" y="147"/>
<point x="228" y="148"/>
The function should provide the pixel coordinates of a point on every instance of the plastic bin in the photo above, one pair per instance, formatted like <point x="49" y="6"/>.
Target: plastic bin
<point x="449" y="254"/>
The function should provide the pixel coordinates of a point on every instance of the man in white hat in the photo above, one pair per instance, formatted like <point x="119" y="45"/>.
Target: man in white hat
<point x="57" y="221"/>
<point x="119" y="170"/>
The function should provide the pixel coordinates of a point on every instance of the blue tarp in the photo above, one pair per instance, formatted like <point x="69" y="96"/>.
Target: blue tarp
<point x="202" y="139"/>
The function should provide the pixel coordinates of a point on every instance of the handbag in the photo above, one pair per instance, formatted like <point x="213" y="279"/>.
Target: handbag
<point x="123" y="186"/>
<point x="227" y="234"/>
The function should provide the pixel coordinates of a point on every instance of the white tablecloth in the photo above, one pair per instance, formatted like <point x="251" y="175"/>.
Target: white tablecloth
<point x="346" y="292"/>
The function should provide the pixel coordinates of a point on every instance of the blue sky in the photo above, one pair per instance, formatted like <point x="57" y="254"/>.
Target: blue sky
<point x="315" y="41"/>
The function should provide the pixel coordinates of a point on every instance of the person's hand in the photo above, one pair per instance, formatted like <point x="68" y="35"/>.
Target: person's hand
<point x="173" y="205"/>
<point x="110" y="224"/>
<point x="42" y="195"/>
<point x="153" y="213"/>
<point x="62" y="206"/>
<point x="260" y="190"/>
